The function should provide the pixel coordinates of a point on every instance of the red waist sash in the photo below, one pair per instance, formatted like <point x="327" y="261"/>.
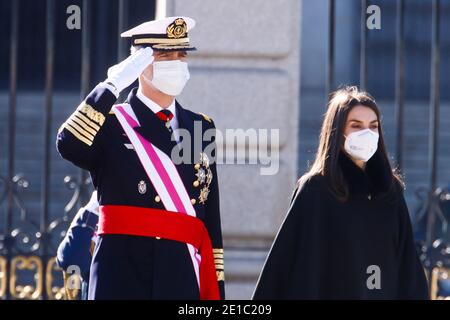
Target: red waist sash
<point x="149" y="222"/>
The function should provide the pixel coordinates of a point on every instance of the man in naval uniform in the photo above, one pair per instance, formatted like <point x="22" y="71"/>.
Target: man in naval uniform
<point x="159" y="220"/>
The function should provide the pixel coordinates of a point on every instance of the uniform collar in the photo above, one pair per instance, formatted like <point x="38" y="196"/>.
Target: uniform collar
<point x="151" y="127"/>
<point x="153" y="105"/>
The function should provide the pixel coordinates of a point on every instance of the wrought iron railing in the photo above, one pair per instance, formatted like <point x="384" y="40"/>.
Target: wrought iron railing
<point x="28" y="268"/>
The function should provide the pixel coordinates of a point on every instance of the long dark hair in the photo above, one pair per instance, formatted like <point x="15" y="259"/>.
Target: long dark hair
<point x="332" y="139"/>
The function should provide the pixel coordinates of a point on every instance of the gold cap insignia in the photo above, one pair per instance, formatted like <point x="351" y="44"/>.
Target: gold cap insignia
<point x="177" y="29"/>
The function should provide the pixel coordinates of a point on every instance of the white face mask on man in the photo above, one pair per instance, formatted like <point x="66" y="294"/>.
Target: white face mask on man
<point x="170" y="76"/>
<point x="361" y="145"/>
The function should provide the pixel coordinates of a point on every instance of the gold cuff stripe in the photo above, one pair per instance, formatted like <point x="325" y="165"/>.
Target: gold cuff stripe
<point x="91" y="113"/>
<point x="219" y="267"/>
<point x="216" y="250"/>
<point x="218" y="254"/>
<point x="85" y="119"/>
<point x="77" y="135"/>
<point x="220" y="275"/>
<point x="218" y="261"/>
<point x="161" y="41"/>
<point x="80" y="129"/>
<point x="83" y="125"/>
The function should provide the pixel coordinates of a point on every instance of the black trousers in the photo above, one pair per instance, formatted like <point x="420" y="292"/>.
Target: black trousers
<point x="140" y="268"/>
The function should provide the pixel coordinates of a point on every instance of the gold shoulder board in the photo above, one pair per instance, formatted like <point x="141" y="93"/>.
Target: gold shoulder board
<point x="206" y="117"/>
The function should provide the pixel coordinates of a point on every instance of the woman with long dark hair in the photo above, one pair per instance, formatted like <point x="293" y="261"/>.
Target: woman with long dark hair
<point x="347" y="234"/>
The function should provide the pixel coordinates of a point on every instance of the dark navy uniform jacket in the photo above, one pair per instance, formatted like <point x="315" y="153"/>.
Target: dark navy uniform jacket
<point x="74" y="249"/>
<point x="132" y="267"/>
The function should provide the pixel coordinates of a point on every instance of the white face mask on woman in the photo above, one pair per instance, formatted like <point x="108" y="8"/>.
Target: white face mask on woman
<point x="170" y="77"/>
<point x="361" y="145"/>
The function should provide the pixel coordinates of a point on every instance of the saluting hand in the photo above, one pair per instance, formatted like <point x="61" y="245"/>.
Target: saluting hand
<point x="126" y="72"/>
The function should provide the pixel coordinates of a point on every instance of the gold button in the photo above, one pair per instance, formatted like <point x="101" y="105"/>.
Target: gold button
<point x="193" y="201"/>
<point x="158" y="238"/>
<point x="157" y="199"/>
<point x="196" y="183"/>
<point x="197" y="166"/>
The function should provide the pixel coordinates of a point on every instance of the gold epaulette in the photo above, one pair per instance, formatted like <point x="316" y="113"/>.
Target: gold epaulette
<point x="205" y="117"/>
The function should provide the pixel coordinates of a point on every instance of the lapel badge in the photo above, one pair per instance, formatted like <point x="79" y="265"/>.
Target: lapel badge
<point x="142" y="187"/>
<point x="204" y="160"/>
<point x="203" y="195"/>
<point x="209" y="177"/>
<point x="201" y="175"/>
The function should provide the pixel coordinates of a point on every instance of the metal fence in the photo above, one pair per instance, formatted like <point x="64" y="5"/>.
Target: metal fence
<point x="28" y="267"/>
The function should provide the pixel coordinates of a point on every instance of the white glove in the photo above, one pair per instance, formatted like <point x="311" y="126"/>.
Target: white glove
<point x="92" y="205"/>
<point x="126" y="72"/>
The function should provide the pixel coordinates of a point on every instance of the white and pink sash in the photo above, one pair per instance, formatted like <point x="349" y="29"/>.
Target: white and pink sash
<point x="161" y="171"/>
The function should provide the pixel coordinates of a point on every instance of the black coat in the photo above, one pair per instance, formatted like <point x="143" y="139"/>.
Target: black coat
<point x="325" y="247"/>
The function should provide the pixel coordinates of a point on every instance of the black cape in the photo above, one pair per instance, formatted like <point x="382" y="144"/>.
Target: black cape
<point x="325" y="248"/>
